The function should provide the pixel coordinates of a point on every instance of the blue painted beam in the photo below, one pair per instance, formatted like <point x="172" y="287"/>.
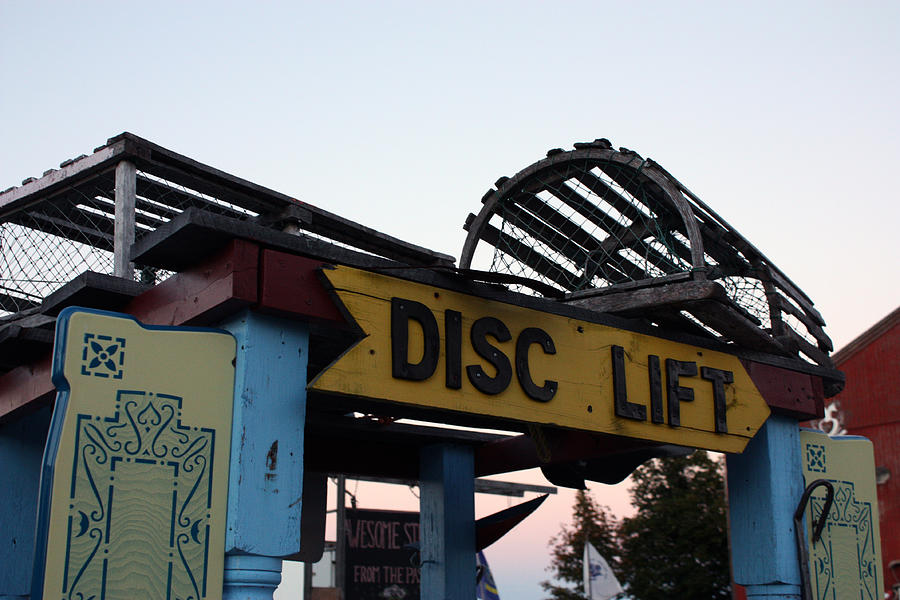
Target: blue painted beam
<point x="21" y="451"/>
<point x="266" y="478"/>
<point x="764" y="486"/>
<point x="447" y="522"/>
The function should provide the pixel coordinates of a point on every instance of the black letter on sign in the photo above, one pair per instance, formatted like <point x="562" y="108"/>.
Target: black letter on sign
<point x="496" y="384"/>
<point x="624" y="408"/>
<point x="719" y="378"/>
<point x="530" y="336"/>
<point x="656" y="403"/>
<point x="674" y="392"/>
<point x="402" y="311"/>
<point x="453" y="349"/>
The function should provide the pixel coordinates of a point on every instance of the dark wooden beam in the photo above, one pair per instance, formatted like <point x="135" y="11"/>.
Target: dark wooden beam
<point x="93" y="290"/>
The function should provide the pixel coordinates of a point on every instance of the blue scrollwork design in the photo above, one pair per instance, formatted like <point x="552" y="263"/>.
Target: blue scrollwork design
<point x="181" y="539"/>
<point x="97" y="535"/>
<point x="146" y="431"/>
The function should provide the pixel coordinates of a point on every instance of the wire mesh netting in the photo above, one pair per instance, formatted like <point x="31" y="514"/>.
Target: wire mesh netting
<point x="593" y="221"/>
<point x="587" y="225"/>
<point x="49" y="243"/>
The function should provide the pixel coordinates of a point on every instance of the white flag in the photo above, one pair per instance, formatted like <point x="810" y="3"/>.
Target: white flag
<point x="599" y="581"/>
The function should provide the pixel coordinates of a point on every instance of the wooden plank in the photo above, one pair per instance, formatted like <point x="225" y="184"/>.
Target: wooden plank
<point x="447" y="522"/>
<point x="604" y="192"/>
<point x="482" y="486"/>
<point x="265" y="494"/>
<point x="206" y="233"/>
<point x="541" y="264"/>
<point x="76" y="226"/>
<point x="599" y="252"/>
<point x="812" y="326"/>
<point x="669" y="319"/>
<point x="764" y="488"/>
<point x="209" y="291"/>
<point x="370" y="240"/>
<point x="587" y="209"/>
<point x="60" y="180"/>
<point x="553" y="218"/>
<point x="21" y="345"/>
<point x="21" y="450"/>
<point x="731" y="323"/>
<point x="290" y="285"/>
<point x="628" y="286"/>
<point x="673" y="293"/>
<point x="721" y="252"/>
<point x="25" y="388"/>
<point x="796" y="395"/>
<point x="777" y="275"/>
<point x="558" y="241"/>
<point x="124" y="219"/>
<point x="797" y="343"/>
<point x="93" y="290"/>
<point x="566" y="381"/>
<point x="667" y="200"/>
<point x="163" y="194"/>
<point x="107" y="206"/>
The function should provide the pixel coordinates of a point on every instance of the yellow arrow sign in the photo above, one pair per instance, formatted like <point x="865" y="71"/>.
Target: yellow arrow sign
<point x="436" y="348"/>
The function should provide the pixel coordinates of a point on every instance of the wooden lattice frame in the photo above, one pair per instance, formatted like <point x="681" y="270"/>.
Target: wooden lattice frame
<point x="615" y="232"/>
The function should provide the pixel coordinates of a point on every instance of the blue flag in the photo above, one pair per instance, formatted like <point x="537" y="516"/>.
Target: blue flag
<point x="485" y="589"/>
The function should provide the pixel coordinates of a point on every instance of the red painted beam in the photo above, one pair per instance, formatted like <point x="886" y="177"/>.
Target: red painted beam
<point x="788" y="393"/>
<point x="240" y="276"/>
<point x="221" y="285"/>
<point x="204" y="294"/>
<point x="24" y="386"/>
<point x="289" y="285"/>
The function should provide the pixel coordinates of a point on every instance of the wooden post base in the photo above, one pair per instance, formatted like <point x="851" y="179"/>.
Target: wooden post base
<point x="250" y="577"/>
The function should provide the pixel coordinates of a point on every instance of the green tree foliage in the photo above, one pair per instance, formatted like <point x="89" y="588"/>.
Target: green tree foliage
<point x="675" y="547"/>
<point x="589" y="521"/>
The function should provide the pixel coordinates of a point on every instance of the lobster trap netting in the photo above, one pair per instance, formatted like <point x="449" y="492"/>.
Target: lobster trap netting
<point x="595" y="221"/>
<point x="48" y="243"/>
<point x="586" y="225"/>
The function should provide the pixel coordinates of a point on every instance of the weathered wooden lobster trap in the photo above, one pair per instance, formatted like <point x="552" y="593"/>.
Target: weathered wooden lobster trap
<point x="66" y="222"/>
<point x="614" y="232"/>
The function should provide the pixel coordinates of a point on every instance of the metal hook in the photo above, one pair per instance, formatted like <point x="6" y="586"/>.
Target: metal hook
<point x="804" y="500"/>
<point x="816" y="526"/>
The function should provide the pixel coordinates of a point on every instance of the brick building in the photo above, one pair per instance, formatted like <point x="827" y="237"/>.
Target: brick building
<point x="869" y="406"/>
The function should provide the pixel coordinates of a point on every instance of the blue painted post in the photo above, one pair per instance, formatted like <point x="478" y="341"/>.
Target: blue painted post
<point x="266" y="476"/>
<point x="251" y="577"/>
<point x="21" y="450"/>
<point x="447" y="522"/>
<point x="764" y="486"/>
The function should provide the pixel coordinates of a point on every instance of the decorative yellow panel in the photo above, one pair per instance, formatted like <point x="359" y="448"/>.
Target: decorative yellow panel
<point x="135" y="476"/>
<point x="846" y="561"/>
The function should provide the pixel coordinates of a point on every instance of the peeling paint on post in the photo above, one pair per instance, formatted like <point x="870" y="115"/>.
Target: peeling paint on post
<point x="267" y="438"/>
